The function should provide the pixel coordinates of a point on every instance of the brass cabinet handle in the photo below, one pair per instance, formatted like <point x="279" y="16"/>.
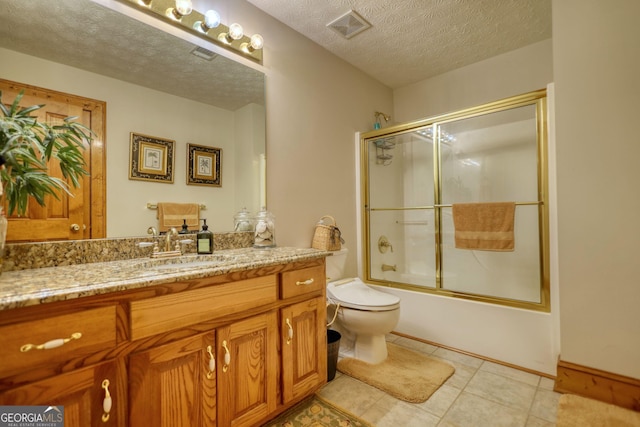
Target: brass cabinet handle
<point x="289" y="332"/>
<point x="304" y="282"/>
<point x="75" y="227"/>
<point x="51" y="344"/>
<point x="212" y="363"/>
<point x="106" y="403"/>
<point x="227" y="357"/>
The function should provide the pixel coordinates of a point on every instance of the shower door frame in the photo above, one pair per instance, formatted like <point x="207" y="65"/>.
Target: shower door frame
<point x="535" y="98"/>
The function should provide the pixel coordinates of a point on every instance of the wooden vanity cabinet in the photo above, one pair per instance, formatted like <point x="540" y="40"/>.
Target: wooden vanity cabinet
<point x="225" y="351"/>
<point x="303" y="330"/>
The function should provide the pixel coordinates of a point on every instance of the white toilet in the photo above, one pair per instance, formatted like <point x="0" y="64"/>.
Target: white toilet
<point x="365" y="315"/>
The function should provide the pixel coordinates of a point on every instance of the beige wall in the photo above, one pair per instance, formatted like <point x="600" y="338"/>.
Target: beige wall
<point x="315" y="104"/>
<point x="597" y="80"/>
<point x="509" y="74"/>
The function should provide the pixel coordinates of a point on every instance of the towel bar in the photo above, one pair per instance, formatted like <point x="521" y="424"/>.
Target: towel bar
<point x="155" y="206"/>
<point x="417" y="208"/>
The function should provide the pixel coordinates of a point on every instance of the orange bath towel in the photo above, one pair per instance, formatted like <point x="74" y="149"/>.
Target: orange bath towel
<point x="484" y="226"/>
<point x="173" y="215"/>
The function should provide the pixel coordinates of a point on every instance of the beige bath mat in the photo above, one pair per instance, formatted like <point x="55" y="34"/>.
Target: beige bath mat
<point x="317" y="412"/>
<point x="405" y="374"/>
<point x="576" y="411"/>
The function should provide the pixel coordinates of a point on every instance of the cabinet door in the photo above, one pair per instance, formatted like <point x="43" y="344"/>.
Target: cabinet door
<point x="247" y="370"/>
<point x="173" y="385"/>
<point x="304" y="348"/>
<point x="82" y="393"/>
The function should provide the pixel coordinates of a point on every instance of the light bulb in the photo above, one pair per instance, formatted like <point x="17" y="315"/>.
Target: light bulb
<point x="235" y="31"/>
<point x="211" y="19"/>
<point x="184" y="7"/>
<point x="257" y="42"/>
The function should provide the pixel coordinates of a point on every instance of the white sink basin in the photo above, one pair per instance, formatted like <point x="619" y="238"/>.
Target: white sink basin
<point x="190" y="262"/>
<point x="183" y="265"/>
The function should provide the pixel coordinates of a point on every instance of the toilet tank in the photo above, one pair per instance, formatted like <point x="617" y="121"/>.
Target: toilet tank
<point x="336" y="264"/>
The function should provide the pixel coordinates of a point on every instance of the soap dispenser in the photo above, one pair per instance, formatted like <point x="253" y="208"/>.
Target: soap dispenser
<point x="205" y="240"/>
<point x="185" y="228"/>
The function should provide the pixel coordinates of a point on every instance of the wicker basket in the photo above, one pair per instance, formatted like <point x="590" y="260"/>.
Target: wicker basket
<point x="327" y="237"/>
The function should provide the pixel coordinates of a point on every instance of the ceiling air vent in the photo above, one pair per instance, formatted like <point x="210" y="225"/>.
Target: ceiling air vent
<point x="203" y="53"/>
<point x="349" y="24"/>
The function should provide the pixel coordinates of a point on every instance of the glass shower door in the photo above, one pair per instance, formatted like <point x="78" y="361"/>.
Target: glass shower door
<point x="492" y="158"/>
<point x="401" y="221"/>
<point x="414" y="174"/>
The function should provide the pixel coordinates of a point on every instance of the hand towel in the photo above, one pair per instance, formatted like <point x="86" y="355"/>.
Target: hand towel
<point x="174" y="214"/>
<point x="484" y="226"/>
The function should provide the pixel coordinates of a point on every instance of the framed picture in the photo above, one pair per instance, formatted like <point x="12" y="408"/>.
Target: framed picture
<point x="203" y="165"/>
<point x="151" y="158"/>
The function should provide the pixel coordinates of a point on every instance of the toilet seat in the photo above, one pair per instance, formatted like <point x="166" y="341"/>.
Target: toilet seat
<point x="353" y="293"/>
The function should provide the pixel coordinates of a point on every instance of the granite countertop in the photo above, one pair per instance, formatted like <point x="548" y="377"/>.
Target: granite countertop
<point x="43" y="285"/>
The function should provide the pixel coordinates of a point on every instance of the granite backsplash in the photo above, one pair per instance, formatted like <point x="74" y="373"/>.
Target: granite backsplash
<point x="22" y="256"/>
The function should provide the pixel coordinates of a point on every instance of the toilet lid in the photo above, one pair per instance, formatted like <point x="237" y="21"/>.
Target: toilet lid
<point x="353" y="293"/>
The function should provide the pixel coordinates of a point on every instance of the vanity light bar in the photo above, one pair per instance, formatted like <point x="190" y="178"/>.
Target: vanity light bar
<point x="206" y="27"/>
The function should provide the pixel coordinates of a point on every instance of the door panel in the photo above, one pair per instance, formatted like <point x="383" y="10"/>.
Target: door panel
<point x="70" y="218"/>
<point x="247" y="385"/>
<point x="303" y="328"/>
<point x="170" y="387"/>
<point x="81" y="393"/>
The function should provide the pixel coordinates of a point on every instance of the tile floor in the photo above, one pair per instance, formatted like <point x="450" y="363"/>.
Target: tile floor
<point x="479" y="394"/>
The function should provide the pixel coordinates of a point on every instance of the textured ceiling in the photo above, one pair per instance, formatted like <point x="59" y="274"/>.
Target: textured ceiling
<point x="411" y="40"/>
<point x="89" y="36"/>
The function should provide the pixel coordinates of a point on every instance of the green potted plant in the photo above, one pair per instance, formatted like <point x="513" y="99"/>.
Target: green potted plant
<point x="26" y="148"/>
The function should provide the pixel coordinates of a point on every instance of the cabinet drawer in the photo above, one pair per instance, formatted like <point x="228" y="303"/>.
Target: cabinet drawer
<point x="303" y="281"/>
<point x="56" y="339"/>
<point x="165" y="313"/>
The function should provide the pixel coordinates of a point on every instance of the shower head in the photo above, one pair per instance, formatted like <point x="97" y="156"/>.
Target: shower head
<point x="386" y="117"/>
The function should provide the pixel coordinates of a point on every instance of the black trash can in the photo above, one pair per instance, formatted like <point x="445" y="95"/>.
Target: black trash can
<point x="333" y="348"/>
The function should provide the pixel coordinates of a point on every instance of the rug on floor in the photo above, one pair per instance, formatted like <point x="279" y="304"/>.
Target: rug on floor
<point x="577" y="411"/>
<point x="405" y="374"/>
<point x="316" y="412"/>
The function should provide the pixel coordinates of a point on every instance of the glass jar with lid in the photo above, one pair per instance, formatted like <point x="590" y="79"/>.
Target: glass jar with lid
<point x="243" y="221"/>
<point x="265" y="231"/>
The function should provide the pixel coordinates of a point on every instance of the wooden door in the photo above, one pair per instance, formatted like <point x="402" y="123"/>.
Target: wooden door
<point x="172" y="385"/>
<point x="247" y="384"/>
<point x="81" y="392"/>
<point x="76" y="217"/>
<point x="304" y="348"/>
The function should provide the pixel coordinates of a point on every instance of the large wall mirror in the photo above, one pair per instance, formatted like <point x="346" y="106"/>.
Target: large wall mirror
<point x="155" y="82"/>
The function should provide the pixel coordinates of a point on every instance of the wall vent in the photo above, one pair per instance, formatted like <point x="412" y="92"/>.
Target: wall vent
<point x="349" y="24"/>
<point x="203" y="53"/>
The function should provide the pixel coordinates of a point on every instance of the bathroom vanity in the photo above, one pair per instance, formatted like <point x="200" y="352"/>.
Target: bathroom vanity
<point x="229" y="339"/>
